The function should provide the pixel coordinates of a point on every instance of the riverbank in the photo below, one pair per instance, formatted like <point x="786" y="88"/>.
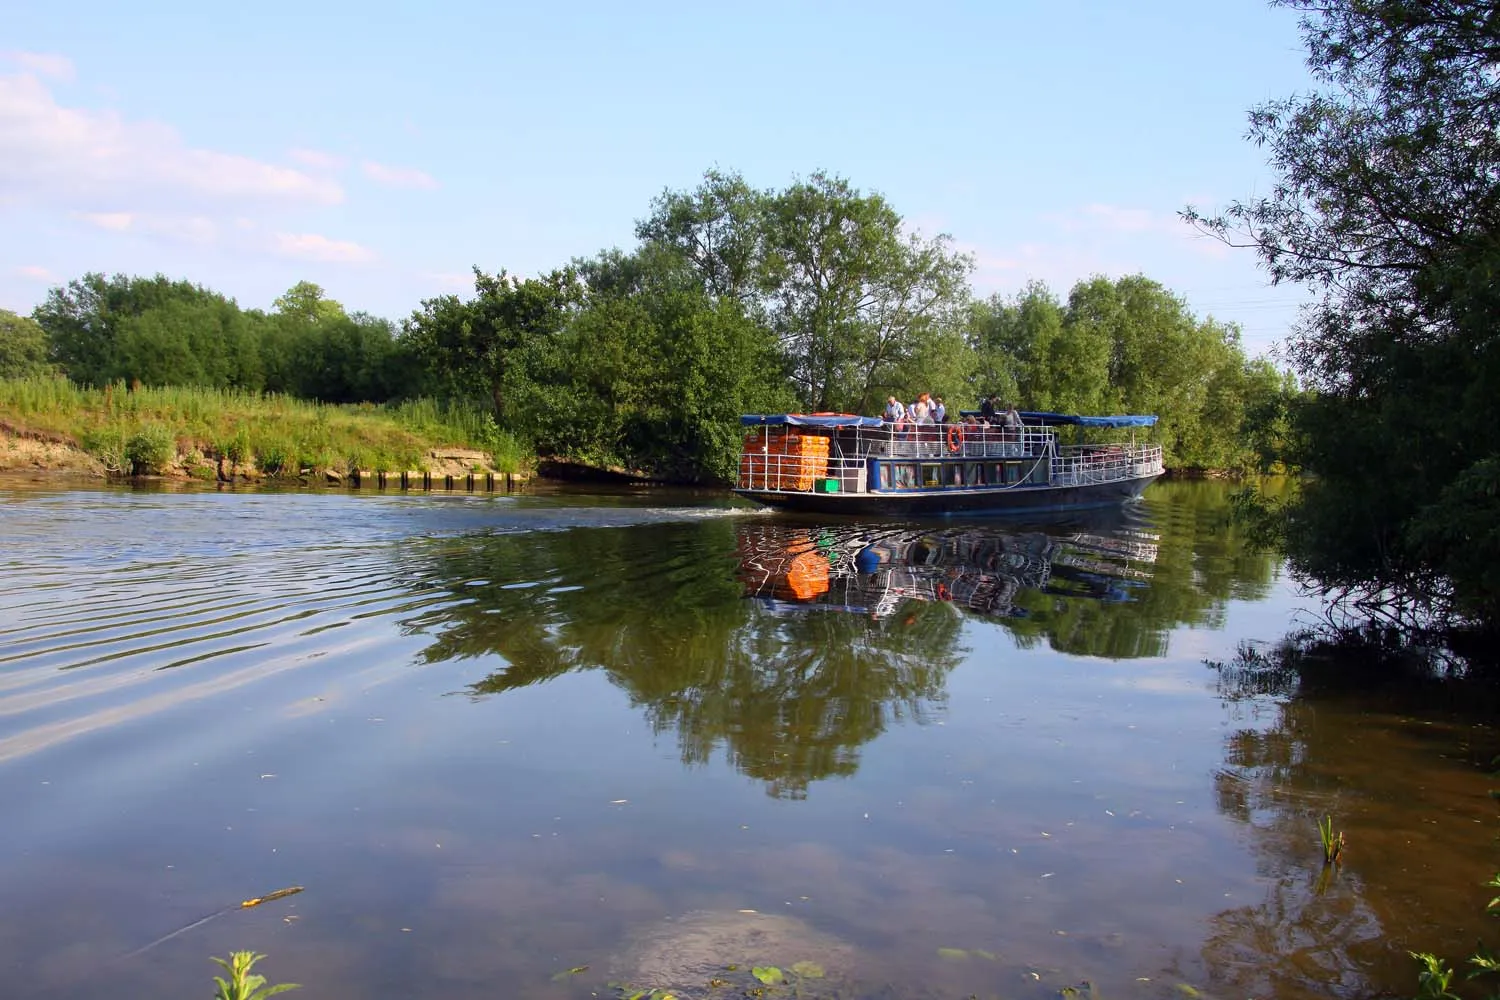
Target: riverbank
<point x="53" y="426"/>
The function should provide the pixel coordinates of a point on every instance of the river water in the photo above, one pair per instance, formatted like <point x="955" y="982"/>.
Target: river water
<point x="496" y="739"/>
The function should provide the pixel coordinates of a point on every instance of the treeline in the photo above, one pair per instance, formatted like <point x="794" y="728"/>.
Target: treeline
<point x="734" y="300"/>
<point x="157" y="332"/>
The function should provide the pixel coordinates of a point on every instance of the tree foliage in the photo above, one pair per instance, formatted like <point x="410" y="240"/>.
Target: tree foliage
<point x="1131" y="346"/>
<point x="1389" y="201"/>
<point x="860" y="305"/>
<point x="160" y="332"/>
<point x="23" y="347"/>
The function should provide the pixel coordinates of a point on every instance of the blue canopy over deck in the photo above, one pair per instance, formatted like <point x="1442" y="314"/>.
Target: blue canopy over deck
<point x="810" y="420"/>
<point x="1054" y="419"/>
<point x="1035" y="417"/>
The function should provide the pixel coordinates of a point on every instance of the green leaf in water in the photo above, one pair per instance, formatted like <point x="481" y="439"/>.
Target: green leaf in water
<point x="558" y="977"/>
<point x="809" y="970"/>
<point x="952" y="953"/>
<point x="987" y="954"/>
<point x="768" y="974"/>
<point x="1187" y="990"/>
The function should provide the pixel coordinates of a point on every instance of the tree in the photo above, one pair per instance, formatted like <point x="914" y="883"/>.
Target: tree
<point x="23" y="347"/>
<point x="1388" y="201"/>
<point x="717" y="229"/>
<point x="861" y="307"/>
<point x="474" y="344"/>
<point x="855" y="299"/>
<point x="306" y="302"/>
<point x="154" y="330"/>
<point x="652" y="372"/>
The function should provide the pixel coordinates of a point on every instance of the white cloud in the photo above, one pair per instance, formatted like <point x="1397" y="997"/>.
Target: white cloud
<point x="64" y="153"/>
<point x="1125" y="220"/>
<point x="35" y="272"/>
<point x="403" y="177"/>
<point x="48" y="64"/>
<point x="180" y="228"/>
<point x="458" y="281"/>
<point x="317" y="159"/>
<point x="116" y="221"/>
<point x="311" y="246"/>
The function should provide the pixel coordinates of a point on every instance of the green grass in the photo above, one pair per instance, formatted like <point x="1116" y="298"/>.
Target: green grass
<point x="143" y="430"/>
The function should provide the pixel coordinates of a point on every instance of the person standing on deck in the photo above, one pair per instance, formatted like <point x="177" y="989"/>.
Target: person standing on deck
<point x="939" y="411"/>
<point x="895" y="412"/>
<point x="921" y="411"/>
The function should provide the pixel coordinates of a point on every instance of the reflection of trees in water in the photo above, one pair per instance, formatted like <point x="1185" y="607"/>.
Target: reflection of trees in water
<point x="792" y="692"/>
<point x="659" y="610"/>
<point x="1420" y="835"/>
<point x="1112" y="584"/>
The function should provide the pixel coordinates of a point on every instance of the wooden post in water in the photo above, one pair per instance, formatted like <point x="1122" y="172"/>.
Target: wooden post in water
<point x="380" y="479"/>
<point x="469" y="482"/>
<point x="489" y="482"/>
<point x="448" y="482"/>
<point x="510" y="483"/>
<point x="426" y="479"/>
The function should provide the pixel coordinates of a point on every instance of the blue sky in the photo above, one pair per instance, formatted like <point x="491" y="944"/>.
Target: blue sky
<point x="383" y="152"/>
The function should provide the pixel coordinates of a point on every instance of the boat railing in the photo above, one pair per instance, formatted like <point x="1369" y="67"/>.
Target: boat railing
<point x="952" y="441"/>
<point x="1084" y="465"/>
<point x="802" y="473"/>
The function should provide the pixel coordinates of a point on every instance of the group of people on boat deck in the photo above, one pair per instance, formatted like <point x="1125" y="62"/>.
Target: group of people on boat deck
<point x="998" y="414"/>
<point x="928" y="409"/>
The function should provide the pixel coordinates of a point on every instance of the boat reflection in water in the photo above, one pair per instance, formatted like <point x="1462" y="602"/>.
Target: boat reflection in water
<point x="873" y="569"/>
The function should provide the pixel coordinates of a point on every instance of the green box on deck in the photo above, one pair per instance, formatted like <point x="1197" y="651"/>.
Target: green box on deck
<point x="829" y="485"/>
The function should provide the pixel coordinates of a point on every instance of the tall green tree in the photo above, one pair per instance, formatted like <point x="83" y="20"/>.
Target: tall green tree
<point x="473" y="346"/>
<point x="653" y="371"/>
<point x="861" y="306"/>
<point x="1388" y="199"/>
<point x="23" y="347"/>
<point x="858" y="301"/>
<point x="718" y="229"/>
<point x="155" y="330"/>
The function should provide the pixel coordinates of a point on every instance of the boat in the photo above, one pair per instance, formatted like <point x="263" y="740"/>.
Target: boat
<point x="842" y="463"/>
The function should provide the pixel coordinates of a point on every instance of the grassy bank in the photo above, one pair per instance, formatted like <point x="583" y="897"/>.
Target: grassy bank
<point x="209" y="432"/>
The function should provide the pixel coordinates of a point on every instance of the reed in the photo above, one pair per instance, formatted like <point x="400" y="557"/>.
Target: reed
<point x="278" y="434"/>
<point x="1333" y="843"/>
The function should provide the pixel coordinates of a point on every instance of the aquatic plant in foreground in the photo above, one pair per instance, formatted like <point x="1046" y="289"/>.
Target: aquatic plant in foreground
<point x="1333" y="843"/>
<point x="243" y="984"/>
<point x="1435" y="976"/>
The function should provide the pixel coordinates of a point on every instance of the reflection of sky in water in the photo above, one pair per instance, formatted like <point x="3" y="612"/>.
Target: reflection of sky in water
<point x="252" y="700"/>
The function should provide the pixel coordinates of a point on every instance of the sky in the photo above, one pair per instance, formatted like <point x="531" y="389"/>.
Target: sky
<point x="384" y="151"/>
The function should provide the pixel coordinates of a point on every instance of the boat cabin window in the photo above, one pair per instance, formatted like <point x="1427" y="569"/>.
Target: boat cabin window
<point x="930" y="474"/>
<point x="974" y="473"/>
<point x="897" y="476"/>
<point x="953" y="474"/>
